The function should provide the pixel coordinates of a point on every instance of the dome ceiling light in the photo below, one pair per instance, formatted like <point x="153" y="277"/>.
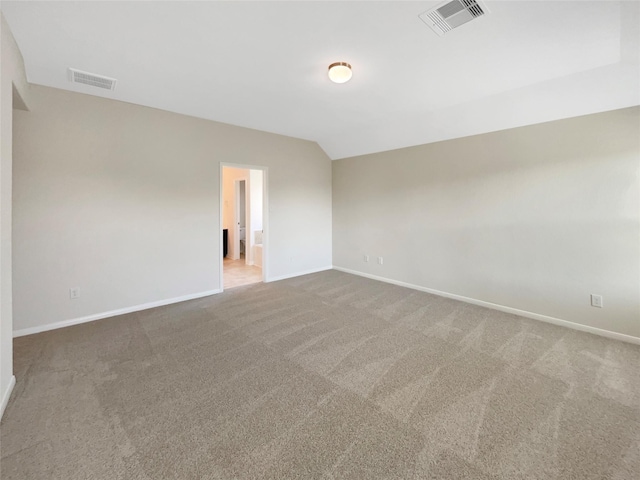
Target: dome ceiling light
<point x="340" y="72"/>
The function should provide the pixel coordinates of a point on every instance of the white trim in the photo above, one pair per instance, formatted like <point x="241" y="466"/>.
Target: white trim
<point x="7" y="395"/>
<point x="298" y="274"/>
<point x="523" y="313"/>
<point x="110" y="313"/>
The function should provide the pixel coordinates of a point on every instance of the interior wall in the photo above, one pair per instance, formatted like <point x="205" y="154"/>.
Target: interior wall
<point x="14" y="93"/>
<point x="536" y="218"/>
<point x="123" y="202"/>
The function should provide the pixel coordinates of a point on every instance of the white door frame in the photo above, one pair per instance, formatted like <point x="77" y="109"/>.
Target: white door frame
<point x="265" y="218"/>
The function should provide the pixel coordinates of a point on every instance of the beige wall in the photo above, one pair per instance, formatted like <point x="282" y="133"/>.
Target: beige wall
<point x="14" y="93"/>
<point x="123" y="202"/>
<point x="534" y="218"/>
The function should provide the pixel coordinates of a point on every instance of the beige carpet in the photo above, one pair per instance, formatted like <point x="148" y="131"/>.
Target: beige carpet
<point x="326" y="376"/>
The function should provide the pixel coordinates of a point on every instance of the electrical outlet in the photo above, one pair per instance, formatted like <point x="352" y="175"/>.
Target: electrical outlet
<point x="380" y="261"/>
<point x="365" y="258"/>
<point x="596" y="300"/>
<point x="74" y="292"/>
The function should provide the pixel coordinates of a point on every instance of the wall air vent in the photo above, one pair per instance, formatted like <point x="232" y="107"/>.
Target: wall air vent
<point x="78" y="76"/>
<point x="449" y="15"/>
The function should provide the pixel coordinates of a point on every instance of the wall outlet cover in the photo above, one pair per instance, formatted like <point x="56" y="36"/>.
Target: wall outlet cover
<point x="596" y="301"/>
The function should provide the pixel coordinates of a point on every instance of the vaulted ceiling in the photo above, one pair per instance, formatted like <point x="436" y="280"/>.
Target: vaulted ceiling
<point x="263" y="64"/>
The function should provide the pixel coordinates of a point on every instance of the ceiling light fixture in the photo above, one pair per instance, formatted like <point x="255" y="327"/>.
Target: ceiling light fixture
<point x="340" y="72"/>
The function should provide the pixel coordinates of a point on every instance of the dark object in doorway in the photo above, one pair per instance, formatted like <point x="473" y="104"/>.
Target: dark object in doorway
<point x="225" y="235"/>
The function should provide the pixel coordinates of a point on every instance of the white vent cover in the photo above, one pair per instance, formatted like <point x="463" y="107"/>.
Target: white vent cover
<point x="78" y="76"/>
<point x="449" y="15"/>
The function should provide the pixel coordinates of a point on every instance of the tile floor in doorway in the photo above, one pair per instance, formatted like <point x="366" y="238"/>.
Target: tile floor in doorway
<point x="237" y="273"/>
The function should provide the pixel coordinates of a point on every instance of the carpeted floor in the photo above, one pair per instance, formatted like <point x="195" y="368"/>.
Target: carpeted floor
<point x="326" y="376"/>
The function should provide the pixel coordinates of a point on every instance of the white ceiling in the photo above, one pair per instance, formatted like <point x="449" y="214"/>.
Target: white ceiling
<point x="263" y="64"/>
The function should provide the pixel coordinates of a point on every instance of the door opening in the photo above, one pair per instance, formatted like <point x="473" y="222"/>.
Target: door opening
<point x="243" y="225"/>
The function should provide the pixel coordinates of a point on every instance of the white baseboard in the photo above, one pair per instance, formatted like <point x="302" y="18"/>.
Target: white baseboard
<point x="298" y="274"/>
<point x="523" y="313"/>
<point x="7" y="394"/>
<point x="111" y="313"/>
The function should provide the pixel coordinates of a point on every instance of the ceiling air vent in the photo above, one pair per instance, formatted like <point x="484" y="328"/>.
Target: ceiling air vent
<point x="78" y="76"/>
<point x="449" y="15"/>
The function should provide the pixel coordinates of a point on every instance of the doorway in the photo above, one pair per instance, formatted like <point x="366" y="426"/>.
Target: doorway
<point x="243" y="212"/>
